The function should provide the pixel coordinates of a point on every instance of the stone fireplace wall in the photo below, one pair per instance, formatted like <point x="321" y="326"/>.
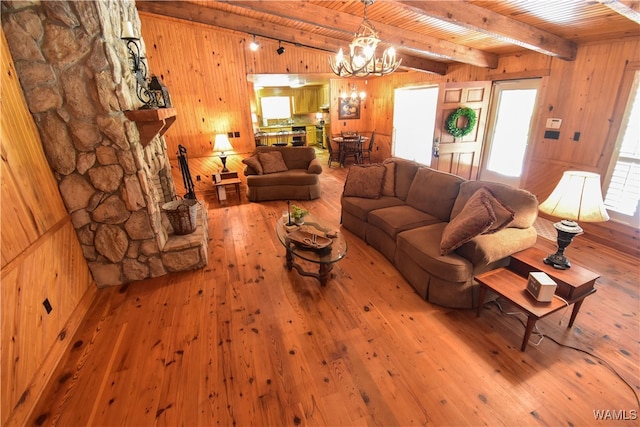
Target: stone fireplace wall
<point x="75" y="73"/>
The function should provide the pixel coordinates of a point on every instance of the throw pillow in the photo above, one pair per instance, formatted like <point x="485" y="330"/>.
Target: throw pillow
<point x="475" y="218"/>
<point x="272" y="162"/>
<point x="254" y="163"/>
<point x="364" y="181"/>
<point x="389" y="183"/>
<point x="504" y="214"/>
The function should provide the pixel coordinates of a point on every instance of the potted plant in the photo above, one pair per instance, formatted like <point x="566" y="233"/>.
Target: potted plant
<point x="298" y="214"/>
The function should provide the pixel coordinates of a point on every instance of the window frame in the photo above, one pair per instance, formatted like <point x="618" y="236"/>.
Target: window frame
<point x="621" y="115"/>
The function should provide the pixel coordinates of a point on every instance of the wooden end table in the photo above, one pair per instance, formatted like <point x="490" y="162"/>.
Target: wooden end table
<point x="574" y="285"/>
<point x="226" y="178"/>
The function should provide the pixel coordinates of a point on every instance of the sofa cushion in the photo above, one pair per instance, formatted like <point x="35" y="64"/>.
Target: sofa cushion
<point x="389" y="182"/>
<point x="396" y="219"/>
<point x="476" y="217"/>
<point x="294" y="157"/>
<point x="289" y="178"/>
<point x="364" y="181"/>
<point x="405" y="171"/>
<point x="434" y="192"/>
<point x="422" y="246"/>
<point x="254" y="163"/>
<point x="522" y="202"/>
<point x="272" y="162"/>
<point x="489" y="248"/>
<point x="360" y="208"/>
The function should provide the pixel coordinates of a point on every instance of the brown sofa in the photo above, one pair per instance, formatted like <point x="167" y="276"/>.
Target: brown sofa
<point x="282" y="173"/>
<point x="438" y="229"/>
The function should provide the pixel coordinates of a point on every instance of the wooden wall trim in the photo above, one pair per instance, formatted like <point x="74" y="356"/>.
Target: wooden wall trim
<point x="19" y="259"/>
<point x="43" y="375"/>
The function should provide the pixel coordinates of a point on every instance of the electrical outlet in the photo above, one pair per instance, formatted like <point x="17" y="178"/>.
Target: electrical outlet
<point x="236" y="134"/>
<point x="47" y="305"/>
<point x="230" y="134"/>
<point x="197" y="177"/>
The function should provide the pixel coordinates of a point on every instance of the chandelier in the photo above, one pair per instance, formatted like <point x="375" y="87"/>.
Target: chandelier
<point x="354" y="94"/>
<point x="362" y="60"/>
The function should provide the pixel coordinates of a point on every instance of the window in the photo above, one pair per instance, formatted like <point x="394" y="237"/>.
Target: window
<point x="276" y="107"/>
<point x="512" y="106"/>
<point x="623" y="189"/>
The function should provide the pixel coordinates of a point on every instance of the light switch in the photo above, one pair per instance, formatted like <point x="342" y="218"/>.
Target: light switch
<point x="554" y="123"/>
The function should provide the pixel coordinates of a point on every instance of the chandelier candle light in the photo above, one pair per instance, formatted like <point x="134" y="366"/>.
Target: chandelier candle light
<point x="362" y="60"/>
<point x="222" y="146"/>
<point x="577" y="197"/>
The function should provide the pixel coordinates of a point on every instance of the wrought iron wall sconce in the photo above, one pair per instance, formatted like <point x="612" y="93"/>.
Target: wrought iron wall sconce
<point x="138" y="67"/>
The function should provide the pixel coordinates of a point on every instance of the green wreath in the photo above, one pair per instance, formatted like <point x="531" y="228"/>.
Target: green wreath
<point x="452" y="122"/>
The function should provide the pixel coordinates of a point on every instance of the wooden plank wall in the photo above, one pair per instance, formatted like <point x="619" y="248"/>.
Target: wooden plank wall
<point x="216" y="97"/>
<point x="205" y="70"/>
<point x="41" y="258"/>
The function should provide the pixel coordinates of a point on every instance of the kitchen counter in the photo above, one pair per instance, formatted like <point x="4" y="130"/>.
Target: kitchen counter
<point x="282" y="137"/>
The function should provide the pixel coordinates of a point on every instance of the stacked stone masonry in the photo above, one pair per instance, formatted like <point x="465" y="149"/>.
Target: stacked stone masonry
<point x="75" y="73"/>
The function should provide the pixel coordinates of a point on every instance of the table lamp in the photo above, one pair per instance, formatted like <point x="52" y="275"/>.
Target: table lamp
<point x="577" y="197"/>
<point x="222" y="145"/>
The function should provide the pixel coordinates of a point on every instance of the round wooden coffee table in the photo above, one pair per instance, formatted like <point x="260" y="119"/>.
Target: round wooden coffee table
<point x="325" y="258"/>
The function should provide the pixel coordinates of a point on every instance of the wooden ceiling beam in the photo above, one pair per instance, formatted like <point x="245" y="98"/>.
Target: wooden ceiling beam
<point x="214" y="17"/>
<point x="403" y="40"/>
<point x="628" y="9"/>
<point x="487" y="22"/>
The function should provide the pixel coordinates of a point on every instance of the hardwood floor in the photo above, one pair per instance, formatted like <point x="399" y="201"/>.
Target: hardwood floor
<point x="245" y="342"/>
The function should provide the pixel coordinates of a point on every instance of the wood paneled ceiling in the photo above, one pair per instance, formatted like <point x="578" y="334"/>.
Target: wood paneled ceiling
<point x="428" y="35"/>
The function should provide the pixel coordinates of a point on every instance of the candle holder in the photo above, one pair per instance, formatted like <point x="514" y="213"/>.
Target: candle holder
<point x="139" y="68"/>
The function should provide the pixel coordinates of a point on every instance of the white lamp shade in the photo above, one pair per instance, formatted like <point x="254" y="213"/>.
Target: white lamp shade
<point x="222" y="144"/>
<point x="577" y="197"/>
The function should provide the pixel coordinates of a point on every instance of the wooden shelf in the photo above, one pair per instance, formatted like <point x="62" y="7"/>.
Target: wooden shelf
<point x="152" y="122"/>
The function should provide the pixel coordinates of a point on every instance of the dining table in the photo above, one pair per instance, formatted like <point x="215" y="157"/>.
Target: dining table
<point x="341" y="153"/>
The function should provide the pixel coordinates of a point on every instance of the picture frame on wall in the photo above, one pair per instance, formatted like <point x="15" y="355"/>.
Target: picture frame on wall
<point x="349" y="108"/>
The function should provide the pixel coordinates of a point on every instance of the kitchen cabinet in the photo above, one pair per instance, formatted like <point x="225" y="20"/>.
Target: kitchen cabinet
<point x="311" y="135"/>
<point x="305" y="100"/>
<point x="324" y="97"/>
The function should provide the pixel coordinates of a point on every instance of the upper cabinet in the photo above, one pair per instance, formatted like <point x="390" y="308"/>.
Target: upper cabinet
<point x="324" y="97"/>
<point x="305" y="100"/>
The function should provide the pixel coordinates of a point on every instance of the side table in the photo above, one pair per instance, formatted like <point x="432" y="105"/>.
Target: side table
<point x="574" y="285"/>
<point x="226" y="178"/>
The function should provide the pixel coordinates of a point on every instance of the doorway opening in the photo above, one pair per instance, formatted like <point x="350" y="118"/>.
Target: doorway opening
<point x="414" y="116"/>
<point x="512" y="105"/>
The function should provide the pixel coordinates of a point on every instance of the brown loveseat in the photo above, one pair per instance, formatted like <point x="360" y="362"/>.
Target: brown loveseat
<point x="282" y="173"/>
<point x="438" y="229"/>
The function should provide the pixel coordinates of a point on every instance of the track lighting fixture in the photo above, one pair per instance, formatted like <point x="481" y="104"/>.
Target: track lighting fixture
<point x="280" y="49"/>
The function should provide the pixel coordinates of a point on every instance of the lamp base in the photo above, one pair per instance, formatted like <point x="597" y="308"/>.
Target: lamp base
<point x="223" y="159"/>
<point x="558" y="261"/>
<point x="567" y="230"/>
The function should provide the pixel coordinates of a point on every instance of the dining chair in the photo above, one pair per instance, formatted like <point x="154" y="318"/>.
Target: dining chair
<point x="351" y="146"/>
<point x="366" y="155"/>
<point x="334" y="156"/>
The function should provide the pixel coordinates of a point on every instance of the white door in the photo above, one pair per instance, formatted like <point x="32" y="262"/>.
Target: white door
<point x="512" y="105"/>
<point x="414" y="114"/>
